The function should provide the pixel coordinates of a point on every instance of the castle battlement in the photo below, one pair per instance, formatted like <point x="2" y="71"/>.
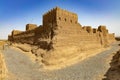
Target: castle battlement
<point x="15" y="32"/>
<point x="59" y="17"/>
<point x="61" y="22"/>
<point x="30" y="26"/>
<point x="60" y="36"/>
<point x="61" y="11"/>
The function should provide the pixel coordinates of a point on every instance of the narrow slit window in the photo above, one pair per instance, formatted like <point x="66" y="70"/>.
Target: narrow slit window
<point x="65" y="19"/>
<point x="59" y="18"/>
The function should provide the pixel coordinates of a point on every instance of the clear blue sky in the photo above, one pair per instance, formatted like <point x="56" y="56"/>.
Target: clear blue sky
<point x="15" y="14"/>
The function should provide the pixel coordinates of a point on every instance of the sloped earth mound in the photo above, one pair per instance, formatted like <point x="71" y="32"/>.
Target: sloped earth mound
<point x="113" y="72"/>
<point x="57" y="59"/>
<point x="22" y="68"/>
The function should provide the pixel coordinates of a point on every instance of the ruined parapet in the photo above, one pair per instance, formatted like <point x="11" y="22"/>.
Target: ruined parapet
<point x="58" y="24"/>
<point x="66" y="18"/>
<point x="111" y="37"/>
<point x="23" y="36"/>
<point x="15" y="32"/>
<point x="84" y="28"/>
<point x="102" y="28"/>
<point x="30" y="26"/>
<point x="59" y="17"/>
<point x="94" y="30"/>
<point x="61" y="33"/>
<point x="88" y="29"/>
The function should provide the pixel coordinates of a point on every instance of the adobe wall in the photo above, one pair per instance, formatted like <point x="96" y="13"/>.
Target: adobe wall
<point x="61" y="28"/>
<point x="33" y="35"/>
<point x="49" y="18"/>
<point x="60" y="17"/>
<point x="30" y="26"/>
<point x="15" y="32"/>
<point x="88" y="29"/>
<point x="62" y="37"/>
<point x="73" y="41"/>
<point x="75" y="36"/>
<point x="111" y="37"/>
<point x="23" y="36"/>
<point x="10" y="38"/>
<point x="104" y="34"/>
<point x="66" y="18"/>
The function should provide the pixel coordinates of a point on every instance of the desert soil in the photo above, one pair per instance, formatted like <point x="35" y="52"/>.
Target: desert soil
<point x="21" y="67"/>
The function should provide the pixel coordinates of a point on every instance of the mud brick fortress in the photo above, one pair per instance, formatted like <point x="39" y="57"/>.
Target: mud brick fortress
<point x="61" y="30"/>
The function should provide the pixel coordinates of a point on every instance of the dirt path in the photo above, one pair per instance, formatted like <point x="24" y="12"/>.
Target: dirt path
<point x="20" y="65"/>
<point x="90" y="69"/>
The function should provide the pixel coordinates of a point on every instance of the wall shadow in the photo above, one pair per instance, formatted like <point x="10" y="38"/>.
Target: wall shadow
<point x="113" y="72"/>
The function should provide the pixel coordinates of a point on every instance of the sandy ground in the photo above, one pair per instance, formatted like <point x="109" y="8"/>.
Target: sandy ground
<point x="59" y="60"/>
<point x="29" y="54"/>
<point x="22" y="67"/>
<point x="113" y="72"/>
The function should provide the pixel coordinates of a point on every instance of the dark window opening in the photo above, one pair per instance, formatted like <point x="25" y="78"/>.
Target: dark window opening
<point x="71" y="21"/>
<point x="65" y="19"/>
<point x="59" y="18"/>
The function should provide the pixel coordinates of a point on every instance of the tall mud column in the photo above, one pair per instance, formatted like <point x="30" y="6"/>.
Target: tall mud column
<point x="103" y="33"/>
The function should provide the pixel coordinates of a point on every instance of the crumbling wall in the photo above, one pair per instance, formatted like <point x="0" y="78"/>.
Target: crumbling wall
<point x="10" y="38"/>
<point x="61" y="27"/>
<point x="15" y="32"/>
<point x="94" y="30"/>
<point x="60" y="17"/>
<point x="43" y="37"/>
<point x="66" y="18"/>
<point x="24" y="36"/>
<point x="40" y="36"/>
<point x="30" y="26"/>
<point x="104" y="35"/>
<point x="61" y="32"/>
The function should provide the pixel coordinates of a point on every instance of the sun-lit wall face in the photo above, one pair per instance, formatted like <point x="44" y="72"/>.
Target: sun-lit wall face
<point x="59" y="17"/>
<point x="66" y="18"/>
<point x="16" y="14"/>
